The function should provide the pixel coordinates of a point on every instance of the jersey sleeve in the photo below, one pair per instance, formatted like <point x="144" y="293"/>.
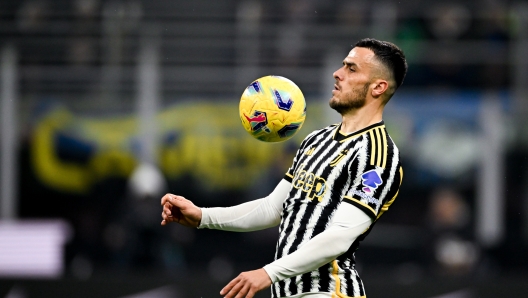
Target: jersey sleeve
<point x="376" y="181"/>
<point x="347" y="224"/>
<point x="250" y="216"/>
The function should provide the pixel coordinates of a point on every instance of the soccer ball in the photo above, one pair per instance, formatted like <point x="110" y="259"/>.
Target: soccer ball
<point x="272" y="109"/>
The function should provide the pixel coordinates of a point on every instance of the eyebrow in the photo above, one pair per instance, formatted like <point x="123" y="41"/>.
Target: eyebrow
<point x="348" y="64"/>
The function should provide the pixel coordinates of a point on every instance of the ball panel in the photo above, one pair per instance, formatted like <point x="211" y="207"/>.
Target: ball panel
<point x="272" y="109"/>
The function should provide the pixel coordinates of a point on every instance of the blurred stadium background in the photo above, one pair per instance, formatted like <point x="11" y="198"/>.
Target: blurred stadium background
<point x="106" y="105"/>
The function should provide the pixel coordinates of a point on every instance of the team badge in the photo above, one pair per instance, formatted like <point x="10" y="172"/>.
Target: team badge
<point x="340" y="157"/>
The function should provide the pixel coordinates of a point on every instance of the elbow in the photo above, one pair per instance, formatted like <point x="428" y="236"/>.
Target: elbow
<point x="341" y="250"/>
<point x="342" y="246"/>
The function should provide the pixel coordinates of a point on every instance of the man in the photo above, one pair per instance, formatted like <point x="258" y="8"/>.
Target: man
<point x="343" y="178"/>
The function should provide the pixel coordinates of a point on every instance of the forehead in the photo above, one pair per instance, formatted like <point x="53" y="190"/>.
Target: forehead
<point x="360" y="56"/>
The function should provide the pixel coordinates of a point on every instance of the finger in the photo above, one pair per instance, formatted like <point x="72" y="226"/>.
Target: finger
<point x="167" y="209"/>
<point x="178" y="201"/>
<point x="235" y="290"/>
<point x="163" y="223"/>
<point x="251" y="293"/>
<point x="243" y="291"/>
<point x="166" y="198"/>
<point x="166" y="218"/>
<point x="229" y="286"/>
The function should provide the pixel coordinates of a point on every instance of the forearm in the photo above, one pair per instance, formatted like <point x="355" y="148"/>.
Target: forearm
<point x="251" y="216"/>
<point x="323" y="248"/>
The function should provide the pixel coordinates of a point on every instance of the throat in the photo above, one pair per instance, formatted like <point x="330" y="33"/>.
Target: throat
<point x="349" y="127"/>
<point x="353" y="122"/>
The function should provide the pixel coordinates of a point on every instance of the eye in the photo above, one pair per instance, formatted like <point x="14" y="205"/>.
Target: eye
<point x="350" y="66"/>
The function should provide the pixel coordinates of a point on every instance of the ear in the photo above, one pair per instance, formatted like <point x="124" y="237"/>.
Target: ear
<point x="380" y="86"/>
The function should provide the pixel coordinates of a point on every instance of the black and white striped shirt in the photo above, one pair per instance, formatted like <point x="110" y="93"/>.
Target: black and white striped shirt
<point x="362" y="169"/>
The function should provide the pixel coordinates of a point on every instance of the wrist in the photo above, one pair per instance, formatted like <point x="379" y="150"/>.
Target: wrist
<point x="202" y="218"/>
<point x="273" y="278"/>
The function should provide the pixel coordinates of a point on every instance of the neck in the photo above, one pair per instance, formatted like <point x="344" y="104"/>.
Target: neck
<point x="357" y="119"/>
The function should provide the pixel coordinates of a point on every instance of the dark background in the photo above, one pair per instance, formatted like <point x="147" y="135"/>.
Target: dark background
<point x="82" y="56"/>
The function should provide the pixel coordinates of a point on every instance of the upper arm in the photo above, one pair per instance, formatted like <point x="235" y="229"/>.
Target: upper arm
<point x="349" y="216"/>
<point x="278" y="195"/>
<point x="376" y="179"/>
<point x="376" y="191"/>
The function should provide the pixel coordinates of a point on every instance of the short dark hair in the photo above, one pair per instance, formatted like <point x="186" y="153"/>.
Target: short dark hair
<point x="389" y="55"/>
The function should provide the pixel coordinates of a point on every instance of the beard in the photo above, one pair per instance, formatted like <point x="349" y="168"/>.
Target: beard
<point x="352" y="100"/>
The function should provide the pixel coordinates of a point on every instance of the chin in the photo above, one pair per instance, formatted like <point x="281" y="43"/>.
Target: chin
<point x="333" y="101"/>
<point x="334" y="104"/>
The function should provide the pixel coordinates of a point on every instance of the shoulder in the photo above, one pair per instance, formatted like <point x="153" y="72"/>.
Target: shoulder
<point x="317" y="134"/>
<point x="392" y="145"/>
<point x="320" y="131"/>
<point x="381" y="150"/>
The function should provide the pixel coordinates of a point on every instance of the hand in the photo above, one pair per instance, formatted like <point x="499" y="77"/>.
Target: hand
<point x="179" y="209"/>
<point x="247" y="284"/>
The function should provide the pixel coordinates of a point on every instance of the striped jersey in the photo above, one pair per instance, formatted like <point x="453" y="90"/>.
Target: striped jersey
<point x="362" y="169"/>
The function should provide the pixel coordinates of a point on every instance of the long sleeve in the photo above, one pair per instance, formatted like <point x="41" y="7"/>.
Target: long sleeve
<point x="347" y="224"/>
<point x="251" y="216"/>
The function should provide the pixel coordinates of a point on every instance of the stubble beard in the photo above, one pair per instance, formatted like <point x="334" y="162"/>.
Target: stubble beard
<point x="350" y="101"/>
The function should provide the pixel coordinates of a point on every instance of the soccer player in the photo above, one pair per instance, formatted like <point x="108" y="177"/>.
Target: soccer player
<point x="343" y="178"/>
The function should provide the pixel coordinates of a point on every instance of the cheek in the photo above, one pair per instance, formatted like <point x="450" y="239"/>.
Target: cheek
<point x="348" y="94"/>
<point x="350" y="87"/>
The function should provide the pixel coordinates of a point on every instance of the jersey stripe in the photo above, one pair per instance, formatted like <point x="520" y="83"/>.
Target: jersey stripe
<point x="348" y="281"/>
<point x="373" y="147"/>
<point x="379" y="147"/>
<point x="360" y="132"/>
<point x="335" y="271"/>
<point x="330" y="168"/>
<point x="299" y="210"/>
<point x="389" y="203"/>
<point x="360" y="285"/>
<point x="385" y="149"/>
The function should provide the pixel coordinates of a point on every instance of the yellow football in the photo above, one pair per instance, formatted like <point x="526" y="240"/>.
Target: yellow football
<point x="272" y="109"/>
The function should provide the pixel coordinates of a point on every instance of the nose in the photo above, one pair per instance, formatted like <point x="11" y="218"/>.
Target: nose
<point x="337" y="74"/>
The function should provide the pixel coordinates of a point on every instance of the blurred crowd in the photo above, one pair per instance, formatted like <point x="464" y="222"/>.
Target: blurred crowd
<point x="457" y="44"/>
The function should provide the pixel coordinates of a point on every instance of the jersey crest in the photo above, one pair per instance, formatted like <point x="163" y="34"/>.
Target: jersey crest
<point x="341" y="155"/>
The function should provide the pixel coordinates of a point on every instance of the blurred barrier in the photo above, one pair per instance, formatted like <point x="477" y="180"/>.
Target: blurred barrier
<point x="33" y="248"/>
<point x="8" y="132"/>
<point x="206" y="141"/>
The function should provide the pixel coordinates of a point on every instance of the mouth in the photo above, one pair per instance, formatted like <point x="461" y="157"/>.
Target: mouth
<point x="336" y="89"/>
